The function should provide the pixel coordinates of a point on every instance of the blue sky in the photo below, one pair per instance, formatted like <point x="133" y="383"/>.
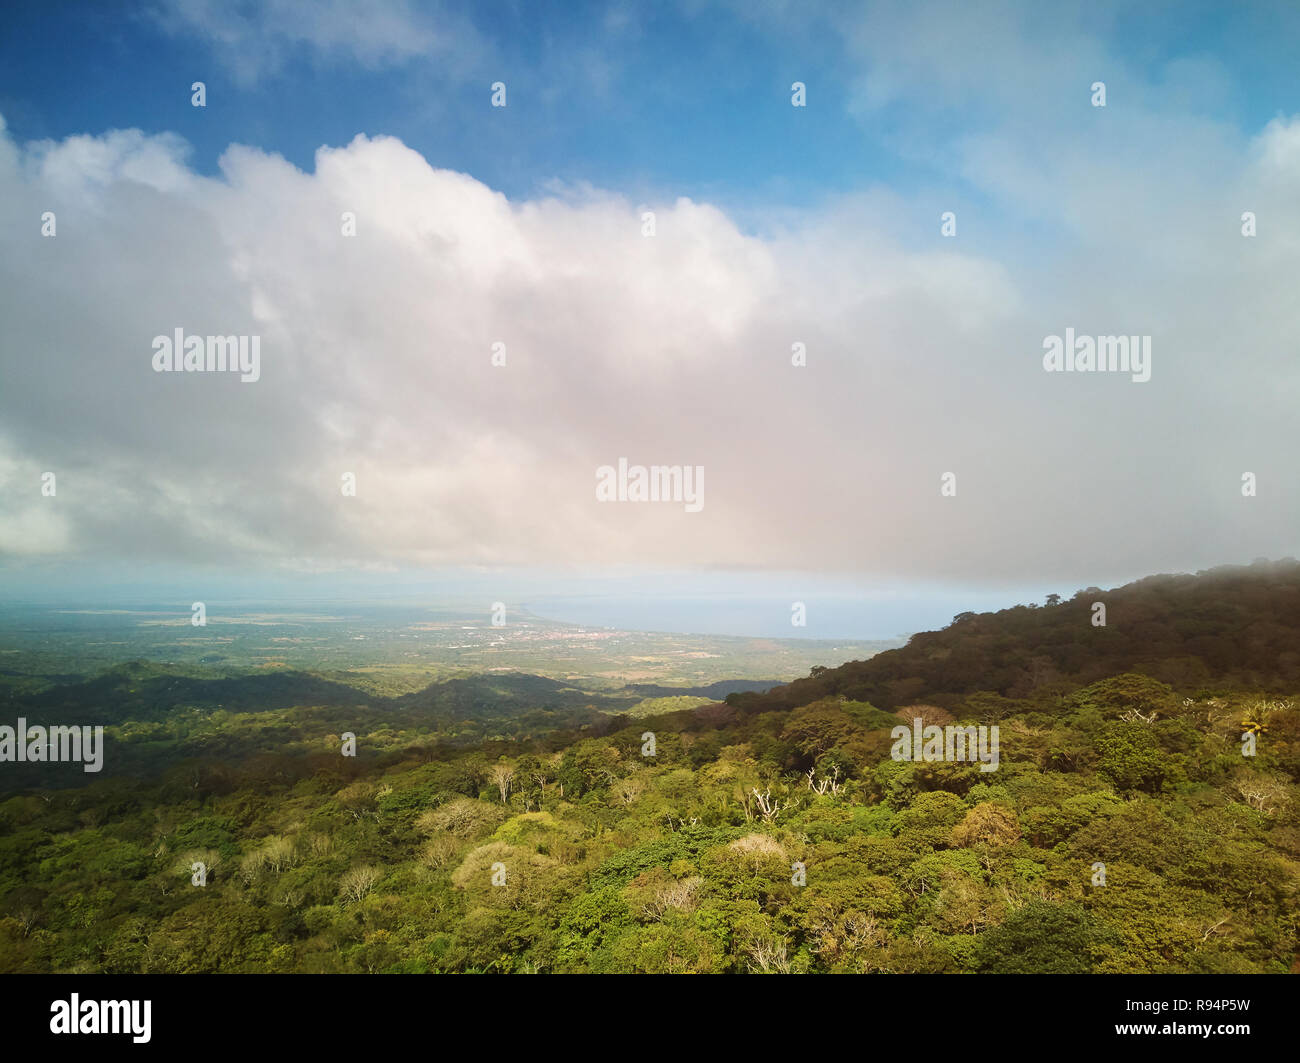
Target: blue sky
<point x="686" y="99"/>
<point x="642" y="127"/>
<point x="523" y="225"/>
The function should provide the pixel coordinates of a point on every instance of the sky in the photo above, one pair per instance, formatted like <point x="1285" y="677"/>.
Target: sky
<point x="921" y="462"/>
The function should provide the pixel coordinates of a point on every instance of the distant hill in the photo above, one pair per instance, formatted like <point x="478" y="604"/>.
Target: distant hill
<point x="161" y="714"/>
<point x="143" y="690"/>
<point x="1232" y="627"/>
<point x="140" y="690"/>
<point x="507" y="694"/>
<point x="717" y="691"/>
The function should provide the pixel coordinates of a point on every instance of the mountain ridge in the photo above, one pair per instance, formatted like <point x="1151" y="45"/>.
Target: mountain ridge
<point x="1229" y="627"/>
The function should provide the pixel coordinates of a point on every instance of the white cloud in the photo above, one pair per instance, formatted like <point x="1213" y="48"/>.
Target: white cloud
<point x="924" y="357"/>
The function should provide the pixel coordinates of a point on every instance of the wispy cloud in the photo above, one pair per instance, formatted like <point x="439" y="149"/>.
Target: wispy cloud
<point x="254" y="41"/>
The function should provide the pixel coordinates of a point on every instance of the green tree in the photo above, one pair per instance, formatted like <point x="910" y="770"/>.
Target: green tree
<point x="1040" y="938"/>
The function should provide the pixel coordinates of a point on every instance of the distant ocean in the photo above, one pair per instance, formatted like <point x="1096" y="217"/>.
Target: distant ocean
<point x="757" y="605"/>
<point x="838" y="617"/>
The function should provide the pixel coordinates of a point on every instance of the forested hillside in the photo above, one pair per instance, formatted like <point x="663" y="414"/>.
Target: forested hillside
<point x="1123" y="830"/>
<point x="1237" y="626"/>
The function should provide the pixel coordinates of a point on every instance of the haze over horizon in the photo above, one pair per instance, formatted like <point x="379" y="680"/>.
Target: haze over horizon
<point x="684" y="602"/>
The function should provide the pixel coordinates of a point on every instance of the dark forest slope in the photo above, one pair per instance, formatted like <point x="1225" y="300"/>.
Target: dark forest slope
<point x="1233" y="627"/>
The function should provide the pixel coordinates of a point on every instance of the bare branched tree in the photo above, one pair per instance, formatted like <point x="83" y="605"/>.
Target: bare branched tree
<point x="769" y="955"/>
<point x="770" y="807"/>
<point x="502" y="775"/>
<point x="356" y="883"/>
<point x="829" y="785"/>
